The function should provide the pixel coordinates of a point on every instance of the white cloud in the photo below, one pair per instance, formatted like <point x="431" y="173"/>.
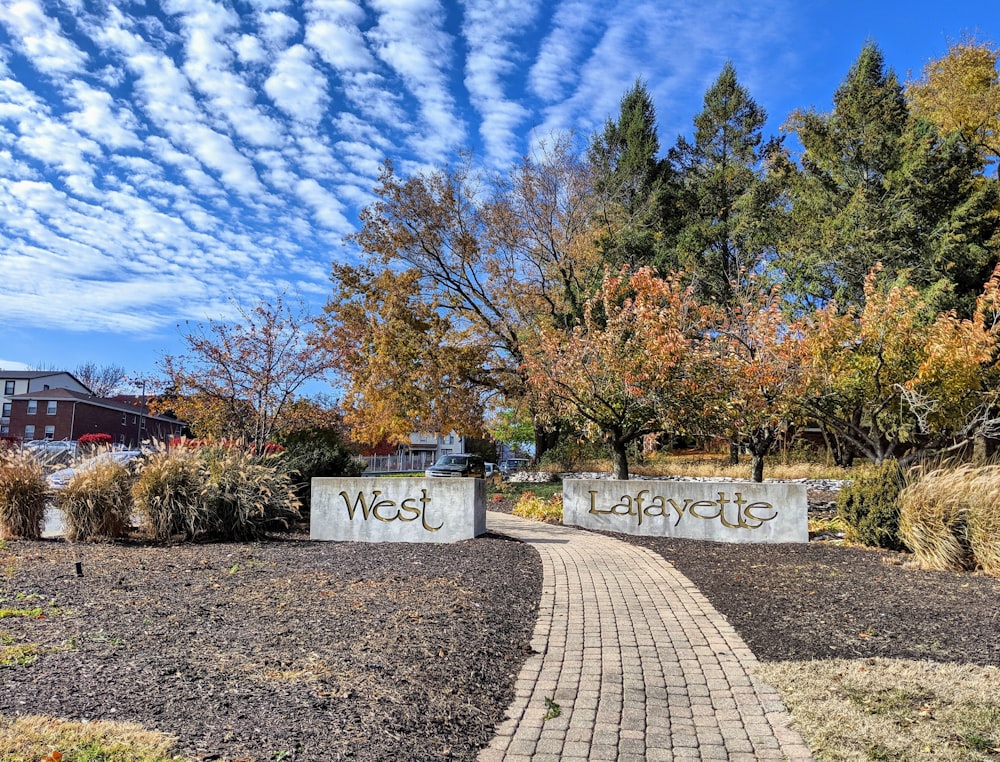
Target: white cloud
<point x="277" y="28"/>
<point x="411" y="39"/>
<point x="208" y="28"/>
<point x="492" y="30"/>
<point x="297" y="87"/>
<point x="98" y="116"/>
<point x="40" y="39"/>
<point x="326" y="208"/>
<point x="574" y="23"/>
<point x="333" y="30"/>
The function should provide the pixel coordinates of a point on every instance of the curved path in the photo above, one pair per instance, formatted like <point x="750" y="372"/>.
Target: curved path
<point x="639" y="664"/>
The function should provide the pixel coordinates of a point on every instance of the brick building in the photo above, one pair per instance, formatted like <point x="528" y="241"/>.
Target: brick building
<point x="14" y="382"/>
<point x="68" y="414"/>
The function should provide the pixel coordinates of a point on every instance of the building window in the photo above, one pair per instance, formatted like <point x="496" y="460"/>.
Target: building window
<point x="8" y="387"/>
<point x="142" y="423"/>
<point x="32" y="407"/>
<point x="50" y="408"/>
<point x="4" y="429"/>
<point x="29" y="432"/>
<point x="124" y="418"/>
<point x="6" y="410"/>
<point x="50" y="432"/>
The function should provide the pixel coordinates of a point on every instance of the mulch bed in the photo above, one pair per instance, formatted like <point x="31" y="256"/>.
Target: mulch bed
<point x="298" y="650"/>
<point x="291" y="650"/>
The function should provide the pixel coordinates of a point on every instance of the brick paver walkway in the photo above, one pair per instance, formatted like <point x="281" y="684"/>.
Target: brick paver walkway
<point x="641" y="666"/>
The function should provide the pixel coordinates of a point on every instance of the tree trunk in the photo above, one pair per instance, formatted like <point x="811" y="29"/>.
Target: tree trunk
<point x="620" y="459"/>
<point x="734" y="452"/>
<point x="545" y="439"/>
<point x="758" y="467"/>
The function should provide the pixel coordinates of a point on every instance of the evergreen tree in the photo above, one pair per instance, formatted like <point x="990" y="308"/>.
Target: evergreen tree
<point x="728" y="213"/>
<point x="877" y="186"/>
<point x="632" y="184"/>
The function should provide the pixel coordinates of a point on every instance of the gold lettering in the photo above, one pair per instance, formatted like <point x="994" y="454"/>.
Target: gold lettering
<point x="759" y="519"/>
<point x="644" y="504"/>
<point x="351" y="509"/>
<point x="692" y="510"/>
<point x="374" y="509"/>
<point x="424" y="500"/>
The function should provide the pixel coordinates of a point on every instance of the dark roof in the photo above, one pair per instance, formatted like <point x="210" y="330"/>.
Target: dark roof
<point x="89" y="399"/>
<point x="20" y="375"/>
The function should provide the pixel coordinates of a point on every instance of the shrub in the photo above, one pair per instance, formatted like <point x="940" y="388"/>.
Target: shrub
<point x="94" y="441"/>
<point x="869" y="505"/>
<point x="97" y="501"/>
<point x="168" y="495"/>
<point x="533" y="507"/>
<point x="310" y="453"/>
<point x="23" y="494"/>
<point x="950" y="519"/>
<point x="245" y="495"/>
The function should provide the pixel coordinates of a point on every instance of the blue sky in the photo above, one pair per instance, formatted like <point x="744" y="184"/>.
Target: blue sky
<point x="160" y="157"/>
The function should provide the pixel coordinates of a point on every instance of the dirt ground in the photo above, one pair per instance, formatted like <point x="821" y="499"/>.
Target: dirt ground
<point x="277" y="650"/>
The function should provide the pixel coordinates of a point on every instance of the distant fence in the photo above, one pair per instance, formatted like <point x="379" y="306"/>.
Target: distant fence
<point x="399" y="462"/>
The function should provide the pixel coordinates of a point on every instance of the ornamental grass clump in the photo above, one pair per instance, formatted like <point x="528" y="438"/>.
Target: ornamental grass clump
<point x="169" y="495"/>
<point x="950" y="519"/>
<point x="530" y="506"/>
<point x="246" y="495"/>
<point x="984" y="520"/>
<point x="97" y="501"/>
<point x="934" y="519"/>
<point x="23" y="494"/>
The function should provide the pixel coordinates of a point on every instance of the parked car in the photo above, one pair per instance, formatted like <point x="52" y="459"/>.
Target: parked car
<point x="458" y="465"/>
<point x="50" y="445"/>
<point x="511" y="465"/>
<point x="59" y="479"/>
<point x="493" y="475"/>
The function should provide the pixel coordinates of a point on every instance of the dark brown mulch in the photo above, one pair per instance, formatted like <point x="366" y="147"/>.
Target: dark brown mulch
<point x="822" y="601"/>
<point x="276" y="650"/>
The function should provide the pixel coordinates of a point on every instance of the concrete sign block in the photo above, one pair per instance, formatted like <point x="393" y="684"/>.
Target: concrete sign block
<point x="719" y="511"/>
<point x="368" y="509"/>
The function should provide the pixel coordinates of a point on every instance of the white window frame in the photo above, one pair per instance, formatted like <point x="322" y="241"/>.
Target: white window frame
<point x="29" y="432"/>
<point x="51" y="407"/>
<point x="32" y="407"/>
<point x="50" y="432"/>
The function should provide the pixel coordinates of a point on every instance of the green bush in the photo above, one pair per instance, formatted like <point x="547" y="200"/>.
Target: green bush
<point x="97" y="502"/>
<point x="310" y="453"/>
<point x="23" y="494"/>
<point x="869" y="505"/>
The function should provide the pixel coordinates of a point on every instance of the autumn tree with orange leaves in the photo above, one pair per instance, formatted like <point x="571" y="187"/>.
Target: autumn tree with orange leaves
<point x="624" y="371"/>
<point x="895" y="379"/>
<point x="754" y="372"/>
<point x="458" y="271"/>
<point x="241" y="379"/>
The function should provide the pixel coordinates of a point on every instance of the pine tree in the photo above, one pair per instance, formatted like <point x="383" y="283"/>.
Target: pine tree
<point x="728" y="214"/>
<point x="877" y="186"/>
<point x="632" y="184"/>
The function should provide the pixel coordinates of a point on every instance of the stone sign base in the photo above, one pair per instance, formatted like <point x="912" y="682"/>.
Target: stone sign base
<point x="720" y="511"/>
<point x="369" y="509"/>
